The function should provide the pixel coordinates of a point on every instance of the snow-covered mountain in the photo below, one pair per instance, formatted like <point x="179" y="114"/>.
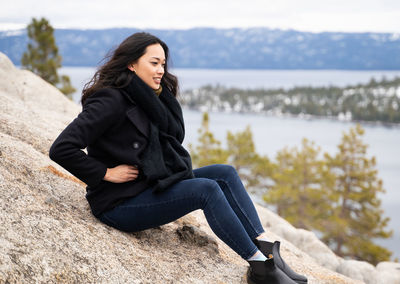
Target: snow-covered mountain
<point x="236" y="48"/>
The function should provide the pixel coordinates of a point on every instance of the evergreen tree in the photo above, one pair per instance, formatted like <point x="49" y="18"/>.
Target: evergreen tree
<point x="358" y="218"/>
<point x="261" y="171"/>
<point x="209" y="150"/>
<point x="301" y="187"/>
<point x="66" y="87"/>
<point x="42" y="56"/>
<point x="252" y="168"/>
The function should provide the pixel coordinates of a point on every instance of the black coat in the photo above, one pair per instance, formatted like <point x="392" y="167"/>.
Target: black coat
<point x="115" y="131"/>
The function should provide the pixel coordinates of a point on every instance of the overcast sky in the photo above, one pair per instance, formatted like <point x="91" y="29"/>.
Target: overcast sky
<point x="303" y="15"/>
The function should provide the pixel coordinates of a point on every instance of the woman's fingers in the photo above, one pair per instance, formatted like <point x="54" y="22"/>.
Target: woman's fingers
<point x="123" y="173"/>
<point x="133" y="172"/>
<point x="132" y="168"/>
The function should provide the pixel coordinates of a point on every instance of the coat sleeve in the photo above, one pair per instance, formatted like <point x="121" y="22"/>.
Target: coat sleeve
<point x="101" y="109"/>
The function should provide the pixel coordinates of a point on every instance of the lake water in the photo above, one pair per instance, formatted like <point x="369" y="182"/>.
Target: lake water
<point x="194" y="78"/>
<point x="271" y="133"/>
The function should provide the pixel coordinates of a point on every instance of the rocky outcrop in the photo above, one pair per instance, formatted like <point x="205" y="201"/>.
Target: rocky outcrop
<point x="49" y="235"/>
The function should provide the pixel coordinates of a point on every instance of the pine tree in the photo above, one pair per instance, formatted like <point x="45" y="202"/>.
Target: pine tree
<point x="66" y="87"/>
<point x="252" y="168"/>
<point x="301" y="187"/>
<point x="209" y="150"/>
<point x="358" y="219"/>
<point x="42" y="56"/>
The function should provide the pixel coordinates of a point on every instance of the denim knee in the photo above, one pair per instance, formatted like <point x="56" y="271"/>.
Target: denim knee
<point x="224" y="169"/>
<point x="208" y="190"/>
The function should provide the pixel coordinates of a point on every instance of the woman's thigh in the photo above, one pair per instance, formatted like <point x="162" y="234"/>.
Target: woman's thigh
<point x="148" y="209"/>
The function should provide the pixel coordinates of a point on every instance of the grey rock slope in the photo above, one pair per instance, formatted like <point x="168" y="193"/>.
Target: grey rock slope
<point x="48" y="235"/>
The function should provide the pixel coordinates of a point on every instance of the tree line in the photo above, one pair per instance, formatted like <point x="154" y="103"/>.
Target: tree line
<point x="335" y="196"/>
<point x="376" y="101"/>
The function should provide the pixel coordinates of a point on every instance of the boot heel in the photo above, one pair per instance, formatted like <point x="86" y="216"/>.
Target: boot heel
<point x="266" y="272"/>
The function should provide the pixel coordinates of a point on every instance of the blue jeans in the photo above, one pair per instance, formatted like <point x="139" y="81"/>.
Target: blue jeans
<point x="216" y="189"/>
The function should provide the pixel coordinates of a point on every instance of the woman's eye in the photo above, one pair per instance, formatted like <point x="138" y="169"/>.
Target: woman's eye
<point x="154" y="63"/>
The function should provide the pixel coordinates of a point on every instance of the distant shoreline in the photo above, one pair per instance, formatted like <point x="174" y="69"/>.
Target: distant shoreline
<point x="305" y="117"/>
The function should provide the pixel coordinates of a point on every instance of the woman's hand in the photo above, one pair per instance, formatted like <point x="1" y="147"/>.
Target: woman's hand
<point x="121" y="173"/>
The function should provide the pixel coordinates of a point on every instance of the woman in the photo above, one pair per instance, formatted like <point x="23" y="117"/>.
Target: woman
<point x="139" y="176"/>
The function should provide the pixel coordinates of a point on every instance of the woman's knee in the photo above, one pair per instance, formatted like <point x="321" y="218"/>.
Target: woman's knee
<point x="225" y="170"/>
<point x="215" y="171"/>
<point x="207" y="190"/>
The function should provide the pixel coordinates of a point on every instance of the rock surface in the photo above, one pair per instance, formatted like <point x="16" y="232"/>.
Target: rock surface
<point x="49" y="235"/>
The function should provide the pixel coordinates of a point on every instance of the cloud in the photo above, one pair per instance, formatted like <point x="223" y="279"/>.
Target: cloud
<point x="307" y="15"/>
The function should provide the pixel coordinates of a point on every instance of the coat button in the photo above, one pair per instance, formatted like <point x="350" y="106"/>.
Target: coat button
<point x="135" y="145"/>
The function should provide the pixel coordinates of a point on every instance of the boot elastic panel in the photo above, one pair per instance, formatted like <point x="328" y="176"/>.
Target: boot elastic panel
<point x="284" y="266"/>
<point x="264" y="246"/>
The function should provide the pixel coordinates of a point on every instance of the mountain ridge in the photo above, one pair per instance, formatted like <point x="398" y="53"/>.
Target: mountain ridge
<point x="230" y="48"/>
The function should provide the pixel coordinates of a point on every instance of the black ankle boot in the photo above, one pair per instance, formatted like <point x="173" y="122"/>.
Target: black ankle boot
<point x="268" y="248"/>
<point x="266" y="272"/>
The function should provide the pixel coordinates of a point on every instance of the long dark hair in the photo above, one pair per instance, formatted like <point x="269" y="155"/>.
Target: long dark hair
<point x="115" y="73"/>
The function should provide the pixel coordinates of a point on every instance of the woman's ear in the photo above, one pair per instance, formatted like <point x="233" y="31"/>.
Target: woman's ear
<point x="131" y="67"/>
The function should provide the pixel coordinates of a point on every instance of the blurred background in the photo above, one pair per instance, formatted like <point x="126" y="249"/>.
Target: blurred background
<point x="289" y="70"/>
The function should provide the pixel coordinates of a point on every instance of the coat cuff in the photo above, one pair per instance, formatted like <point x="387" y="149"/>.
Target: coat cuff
<point x="96" y="178"/>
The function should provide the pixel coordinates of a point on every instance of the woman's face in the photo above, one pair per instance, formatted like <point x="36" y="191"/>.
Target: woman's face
<point x="150" y="66"/>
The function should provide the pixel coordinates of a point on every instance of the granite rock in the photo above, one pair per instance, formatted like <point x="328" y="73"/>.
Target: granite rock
<point x="48" y="234"/>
